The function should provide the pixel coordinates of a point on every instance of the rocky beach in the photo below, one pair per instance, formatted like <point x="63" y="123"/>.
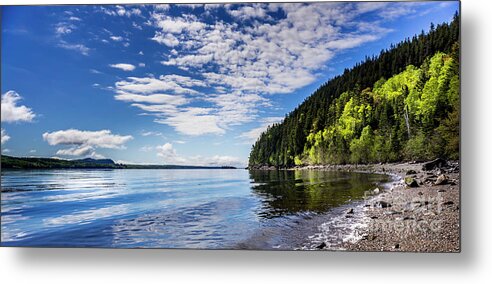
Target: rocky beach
<point x="418" y="212"/>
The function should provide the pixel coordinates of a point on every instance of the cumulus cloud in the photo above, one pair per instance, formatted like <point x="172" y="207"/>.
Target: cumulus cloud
<point x="12" y="112"/>
<point x="123" y="66"/>
<point x="169" y="155"/>
<point x="84" y="143"/>
<point x="5" y="136"/>
<point x="166" y="39"/>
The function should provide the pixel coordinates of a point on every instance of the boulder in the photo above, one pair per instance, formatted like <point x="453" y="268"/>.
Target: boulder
<point x="442" y="179"/>
<point x="411" y="182"/>
<point x="437" y="163"/>
<point x="321" y="246"/>
<point x="383" y="204"/>
<point x="376" y="191"/>
<point x="411" y="172"/>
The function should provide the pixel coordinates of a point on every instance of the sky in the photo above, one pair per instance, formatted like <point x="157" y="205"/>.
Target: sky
<point x="189" y="84"/>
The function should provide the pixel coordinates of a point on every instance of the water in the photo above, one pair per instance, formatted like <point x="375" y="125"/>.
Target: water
<point x="226" y="209"/>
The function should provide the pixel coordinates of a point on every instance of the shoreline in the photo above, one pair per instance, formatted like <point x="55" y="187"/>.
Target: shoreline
<point x="418" y="212"/>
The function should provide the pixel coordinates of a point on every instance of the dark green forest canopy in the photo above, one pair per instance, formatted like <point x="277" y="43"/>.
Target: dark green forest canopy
<point x="401" y="105"/>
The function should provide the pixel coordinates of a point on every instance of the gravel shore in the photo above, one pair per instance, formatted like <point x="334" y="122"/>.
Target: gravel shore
<point x="418" y="213"/>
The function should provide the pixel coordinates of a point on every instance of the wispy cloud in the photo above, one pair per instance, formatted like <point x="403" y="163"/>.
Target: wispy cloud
<point x="252" y="135"/>
<point x="82" y="49"/>
<point x="169" y="155"/>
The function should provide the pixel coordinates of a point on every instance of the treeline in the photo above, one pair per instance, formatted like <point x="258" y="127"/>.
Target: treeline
<point x="34" y="163"/>
<point x="400" y="105"/>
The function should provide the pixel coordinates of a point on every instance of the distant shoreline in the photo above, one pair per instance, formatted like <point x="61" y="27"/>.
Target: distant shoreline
<point x="35" y="163"/>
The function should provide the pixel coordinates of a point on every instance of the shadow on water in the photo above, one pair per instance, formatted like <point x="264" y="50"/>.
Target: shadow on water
<point x="292" y="192"/>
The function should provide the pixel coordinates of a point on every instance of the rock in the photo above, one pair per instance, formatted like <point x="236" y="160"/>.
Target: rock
<point x="442" y="179"/>
<point x="376" y="191"/>
<point x="321" y="246"/>
<point x="374" y="217"/>
<point x="441" y="190"/>
<point x="349" y="216"/>
<point x="437" y="163"/>
<point x="397" y="246"/>
<point x="411" y="182"/>
<point x="411" y="172"/>
<point x="351" y="211"/>
<point x="448" y="203"/>
<point x="382" y="204"/>
<point x="408" y="218"/>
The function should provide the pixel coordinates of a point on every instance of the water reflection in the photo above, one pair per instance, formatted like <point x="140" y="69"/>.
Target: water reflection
<point x="292" y="192"/>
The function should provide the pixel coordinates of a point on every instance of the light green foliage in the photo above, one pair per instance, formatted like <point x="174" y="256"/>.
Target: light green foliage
<point x="361" y="148"/>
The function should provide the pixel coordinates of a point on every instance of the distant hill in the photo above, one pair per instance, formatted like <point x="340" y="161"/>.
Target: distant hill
<point x="96" y="161"/>
<point x="19" y="163"/>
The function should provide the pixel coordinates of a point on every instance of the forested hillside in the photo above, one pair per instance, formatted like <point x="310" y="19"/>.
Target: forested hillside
<point x="401" y="105"/>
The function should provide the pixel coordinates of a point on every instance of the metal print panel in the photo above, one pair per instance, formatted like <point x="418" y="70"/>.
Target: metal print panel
<point x="266" y="126"/>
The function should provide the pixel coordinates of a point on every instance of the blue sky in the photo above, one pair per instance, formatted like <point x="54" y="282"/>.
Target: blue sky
<point x="179" y="84"/>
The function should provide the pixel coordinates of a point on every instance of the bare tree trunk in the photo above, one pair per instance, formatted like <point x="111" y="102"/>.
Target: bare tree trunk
<point x="405" y="115"/>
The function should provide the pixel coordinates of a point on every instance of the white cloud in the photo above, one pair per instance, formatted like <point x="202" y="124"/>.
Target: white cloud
<point x="162" y="7"/>
<point x="170" y="156"/>
<point x="82" y="49"/>
<point x="6" y="150"/>
<point x="188" y="122"/>
<point x="76" y="151"/>
<point x="12" y="112"/>
<point x="123" y="66"/>
<point x="191" y="6"/>
<point x="250" y="11"/>
<point x="245" y="61"/>
<point x="152" y="99"/>
<point x="5" y="136"/>
<point x="64" y="28"/>
<point x="151" y="133"/>
<point x="252" y="135"/>
<point x="178" y="25"/>
<point x="119" y="10"/>
<point x="84" y="143"/>
<point x="166" y="39"/>
<point x="94" y="71"/>
<point x="146" y="85"/>
<point x="141" y="64"/>
<point x="116" y="38"/>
